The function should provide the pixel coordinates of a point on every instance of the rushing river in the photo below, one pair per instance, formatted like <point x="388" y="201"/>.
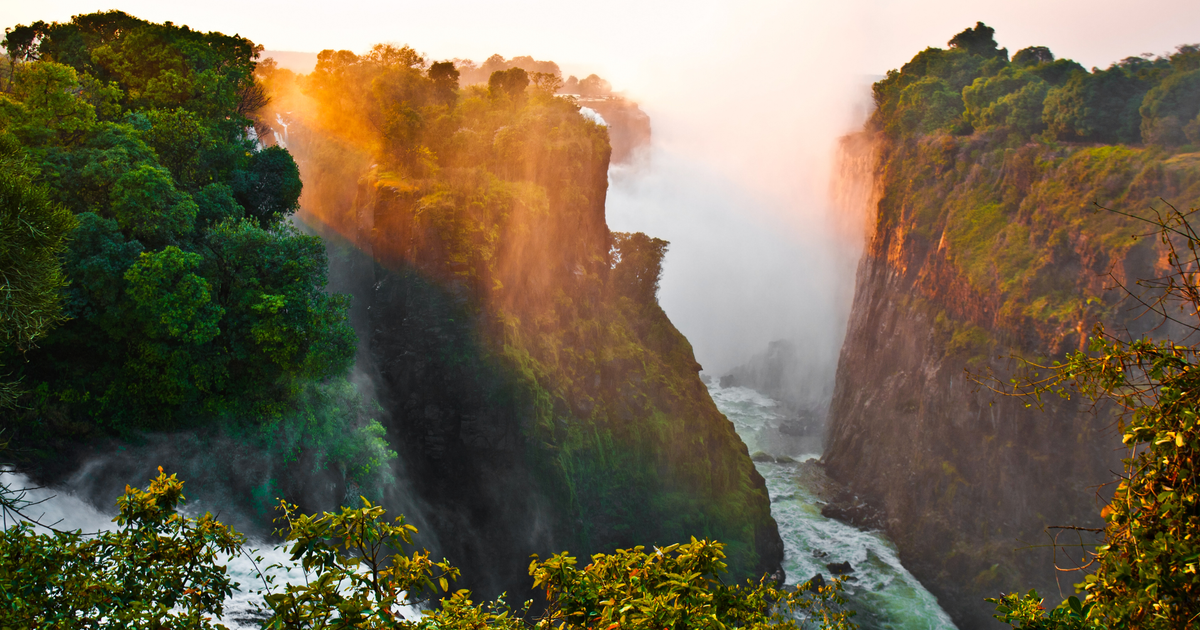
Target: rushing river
<point x="885" y="595"/>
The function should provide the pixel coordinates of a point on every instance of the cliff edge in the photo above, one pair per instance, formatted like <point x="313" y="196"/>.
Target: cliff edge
<point x="987" y="243"/>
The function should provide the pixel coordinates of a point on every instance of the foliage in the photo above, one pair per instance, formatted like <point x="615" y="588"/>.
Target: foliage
<point x="978" y="41"/>
<point x="190" y="298"/>
<point x="1028" y="613"/>
<point x="354" y="583"/>
<point x="160" y="569"/>
<point x="33" y="232"/>
<point x="511" y="82"/>
<point x="637" y="265"/>
<point x="1145" y="574"/>
<point x="677" y="586"/>
<point x="1171" y="110"/>
<point x="1101" y="106"/>
<point x="157" y="569"/>
<point x="1136" y="99"/>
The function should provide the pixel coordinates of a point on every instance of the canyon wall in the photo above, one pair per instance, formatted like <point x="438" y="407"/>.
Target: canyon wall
<point x="1002" y="205"/>
<point x="982" y="251"/>
<point x="537" y="395"/>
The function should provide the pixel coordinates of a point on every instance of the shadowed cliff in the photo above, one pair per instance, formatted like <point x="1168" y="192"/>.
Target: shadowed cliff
<point x="537" y="395"/>
<point x="986" y="243"/>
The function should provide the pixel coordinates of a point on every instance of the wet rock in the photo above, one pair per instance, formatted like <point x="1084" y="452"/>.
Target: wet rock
<point x="839" y="568"/>
<point x="850" y="509"/>
<point x="760" y="456"/>
<point x="815" y="582"/>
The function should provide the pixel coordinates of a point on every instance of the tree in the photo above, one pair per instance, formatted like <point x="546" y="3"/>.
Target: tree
<point x="156" y="569"/>
<point x="978" y="41"/>
<point x="1032" y="56"/>
<point x="593" y="85"/>
<point x="140" y="130"/>
<point x="677" y="586"/>
<point x="1097" y="107"/>
<point x="545" y="82"/>
<point x="445" y="81"/>
<point x="1146" y="574"/>
<point x="511" y="83"/>
<point x="1171" y="110"/>
<point x="160" y="569"/>
<point x="355" y="582"/>
<point x="637" y="265"/>
<point x="33" y="234"/>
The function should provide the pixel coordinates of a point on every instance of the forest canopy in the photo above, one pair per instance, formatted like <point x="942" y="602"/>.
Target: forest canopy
<point x="186" y="295"/>
<point x="973" y="86"/>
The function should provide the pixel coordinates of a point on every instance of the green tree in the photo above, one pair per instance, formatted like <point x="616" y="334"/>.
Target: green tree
<point x="1033" y="56"/>
<point x="33" y="234"/>
<point x="355" y="582"/>
<point x="156" y="569"/>
<point x="1172" y="107"/>
<point x="1101" y="106"/>
<point x="1012" y="99"/>
<point x="978" y="41"/>
<point x="190" y="297"/>
<point x="637" y="265"/>
<point x="677" y="586"/>
<point x="354" y="578"/>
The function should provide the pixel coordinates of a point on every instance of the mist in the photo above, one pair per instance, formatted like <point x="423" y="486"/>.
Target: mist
<point x="737" y="276"/>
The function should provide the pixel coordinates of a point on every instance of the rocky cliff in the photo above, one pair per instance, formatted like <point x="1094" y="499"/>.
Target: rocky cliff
<point x="539" y="398"/>
<point x="986" y="244"/>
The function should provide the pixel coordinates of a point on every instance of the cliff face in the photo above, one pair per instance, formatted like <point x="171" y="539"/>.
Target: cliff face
<point x="981" y="251"/>
<point x="539" y="398"/>
<point x="987" y="242"/>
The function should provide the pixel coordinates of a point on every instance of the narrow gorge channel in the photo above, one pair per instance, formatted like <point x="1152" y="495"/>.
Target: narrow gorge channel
<point x="884" y="594"/>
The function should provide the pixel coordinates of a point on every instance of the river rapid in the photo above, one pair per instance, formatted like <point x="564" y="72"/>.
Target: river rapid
<point x="882" y="592"/>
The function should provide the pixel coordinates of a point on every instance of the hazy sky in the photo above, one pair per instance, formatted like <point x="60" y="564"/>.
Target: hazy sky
<point x="747" y="100"/>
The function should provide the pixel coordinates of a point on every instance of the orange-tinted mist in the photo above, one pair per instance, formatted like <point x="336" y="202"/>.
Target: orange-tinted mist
<point x="498" y="192"/>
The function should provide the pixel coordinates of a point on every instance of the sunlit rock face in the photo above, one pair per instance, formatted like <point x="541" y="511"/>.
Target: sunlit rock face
<point x="538" y="397"/>
<point x="981" y="251"/>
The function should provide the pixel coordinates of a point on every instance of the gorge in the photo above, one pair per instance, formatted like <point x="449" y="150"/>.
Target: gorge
<point x="442" y="287"/>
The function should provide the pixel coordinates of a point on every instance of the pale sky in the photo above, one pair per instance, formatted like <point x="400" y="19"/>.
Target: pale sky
<point x="747" y="98"/>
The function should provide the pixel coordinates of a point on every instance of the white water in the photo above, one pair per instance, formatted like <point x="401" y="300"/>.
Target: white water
<point x="67" y="512"/>
<point x="885" y="594"/>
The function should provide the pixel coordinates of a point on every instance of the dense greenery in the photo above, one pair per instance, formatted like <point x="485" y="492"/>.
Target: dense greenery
<point x="189" y="297"/>
<point x="972" y="87"/>
<point x="159" y="569"/>
<point x="33" y="232"/>
<point x="188" y="301"/>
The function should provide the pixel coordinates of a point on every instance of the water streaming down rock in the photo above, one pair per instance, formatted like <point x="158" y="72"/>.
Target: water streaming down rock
<point x="884" y="594"/>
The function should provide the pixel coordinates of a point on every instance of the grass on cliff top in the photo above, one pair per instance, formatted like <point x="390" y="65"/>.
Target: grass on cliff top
<point x="1023" y="223"/>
